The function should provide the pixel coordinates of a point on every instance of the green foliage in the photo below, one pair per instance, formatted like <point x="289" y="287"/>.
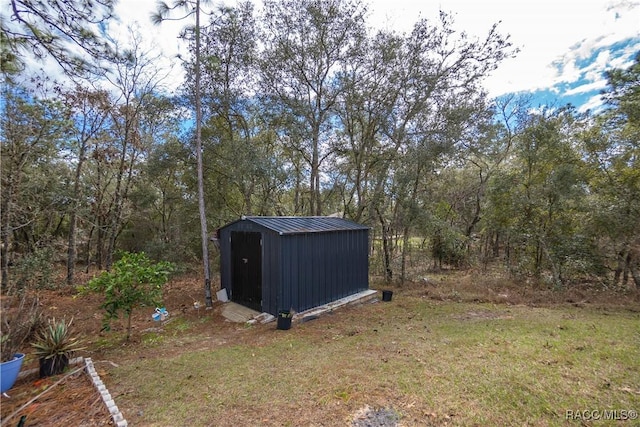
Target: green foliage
<point x="35" y="269"/>
<point x="539" y="200"/>
<point x="135" y="281"/>
<point x="68" y="32"/>
<point x="56" y="339"/>
<point x="448" y="246"/>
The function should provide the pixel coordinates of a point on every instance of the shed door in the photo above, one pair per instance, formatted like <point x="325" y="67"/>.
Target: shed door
<point x="246" y="269"/>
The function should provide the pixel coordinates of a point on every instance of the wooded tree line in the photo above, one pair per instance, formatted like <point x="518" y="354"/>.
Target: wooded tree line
<point x="306" y="110"/>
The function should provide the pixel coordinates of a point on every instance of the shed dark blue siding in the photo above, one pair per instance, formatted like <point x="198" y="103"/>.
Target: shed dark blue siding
<point x="306" y="261"/>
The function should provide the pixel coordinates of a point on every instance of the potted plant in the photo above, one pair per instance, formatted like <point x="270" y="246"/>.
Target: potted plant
<point x="54" y="347"/>
<point x="19" y="321"/>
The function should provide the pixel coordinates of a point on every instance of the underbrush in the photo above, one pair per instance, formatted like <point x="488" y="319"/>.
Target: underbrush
<point x="495" y="286"/>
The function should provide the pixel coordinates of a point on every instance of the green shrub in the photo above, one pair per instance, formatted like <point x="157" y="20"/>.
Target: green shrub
<point x="135" y="281"/>
<point x="35" y="270"/>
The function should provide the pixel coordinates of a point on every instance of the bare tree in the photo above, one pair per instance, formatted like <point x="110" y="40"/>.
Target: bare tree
<point x="307" y="43"/>
<point x="91" y="109"/>
<point x="193" y="8"/>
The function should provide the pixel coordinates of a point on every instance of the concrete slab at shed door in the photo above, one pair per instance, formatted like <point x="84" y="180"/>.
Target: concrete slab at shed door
<point x="238" y="313"/>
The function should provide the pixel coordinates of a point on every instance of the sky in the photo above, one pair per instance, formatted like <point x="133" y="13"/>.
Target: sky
<point x="565" y="45"/>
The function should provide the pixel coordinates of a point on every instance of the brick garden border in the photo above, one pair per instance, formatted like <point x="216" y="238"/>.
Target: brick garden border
<point x="117" y="416"/>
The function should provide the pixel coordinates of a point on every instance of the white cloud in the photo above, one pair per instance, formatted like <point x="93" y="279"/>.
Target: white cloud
<point x="594" y="103"/>
<point x="162" y="39"/>
<point x="586" y="88"/>
<point x="552" y="34"/>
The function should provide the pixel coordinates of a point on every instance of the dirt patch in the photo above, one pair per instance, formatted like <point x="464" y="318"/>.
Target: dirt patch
<point x="74" y="401"/>
<point x="370" y="417"/>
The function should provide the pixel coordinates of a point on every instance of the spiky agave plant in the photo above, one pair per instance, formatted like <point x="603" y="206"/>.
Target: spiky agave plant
<point x="54" y="346"/>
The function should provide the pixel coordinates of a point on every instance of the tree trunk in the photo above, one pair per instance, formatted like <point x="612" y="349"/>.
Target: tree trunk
<point x="6" y="235"/>
<point x="88" y="256"/>
<point x="620" y="267"/>
<point x="119" y="192"/>
<point x="201" y="205"/>
<point x="386" y="255"/>
<point x="405" y="249"/>
<point x="626" y="269"/>
<point x="315" y="207"/>
<point x="71" y="251"/>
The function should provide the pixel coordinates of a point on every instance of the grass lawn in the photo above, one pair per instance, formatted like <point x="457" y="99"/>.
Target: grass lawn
<point x="431" y="362"/>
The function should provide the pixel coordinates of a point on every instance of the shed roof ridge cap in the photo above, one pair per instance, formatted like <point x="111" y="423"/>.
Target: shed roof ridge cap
<point x="292" y="216"/>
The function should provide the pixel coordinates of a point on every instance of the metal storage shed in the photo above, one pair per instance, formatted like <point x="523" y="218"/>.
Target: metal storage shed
<point x="281" y="263"/>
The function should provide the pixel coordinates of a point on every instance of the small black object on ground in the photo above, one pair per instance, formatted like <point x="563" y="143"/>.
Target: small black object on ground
<point x="284" y="320"/>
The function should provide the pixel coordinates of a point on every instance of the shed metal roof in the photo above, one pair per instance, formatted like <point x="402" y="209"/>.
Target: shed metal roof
<point x="304" y="224"/>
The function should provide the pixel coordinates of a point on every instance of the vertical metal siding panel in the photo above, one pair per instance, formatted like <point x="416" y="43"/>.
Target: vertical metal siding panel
<point x="319" y="276"/>
<point x="317" y="261"/>
<point x="327" y="249"/>
<point x="343" y="264"/>
<point x="313" y="268"/>
<point x="292" y="256"/>
<point x="312" y="277"/>
<point x="288" y="262"/>
<point x="300" y="281"/>
<point x="321" y="249"/>
<point x="312" y="243"/>
<point x="362" y="262"/>
<point x="329" y="268"/>
<point x="363" y="250"/>
<point x="306" y="272"/>
<point x="302" y="272"/>
<point x="310" y="268"/>
<point x="269" y="270"/>
<point x="337" y="255"/>
<point x="278" y="275"/>
<point x="322" y="272"/>
<point x="296" y="256"/>
<point x="333" y="251"/>
<point x="353" y="268"/>
<point x="348" y="266"/>
<point x="265" y="269"/>
<point x="272" y="253"/>
<point x="338" y="259"/>
<point x="275" y="271"/>
<point x="353" y="264"/>
<point x="306" y="280"/>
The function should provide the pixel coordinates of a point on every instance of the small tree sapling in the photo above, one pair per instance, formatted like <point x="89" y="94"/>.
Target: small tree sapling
<point x="134" y="281"/>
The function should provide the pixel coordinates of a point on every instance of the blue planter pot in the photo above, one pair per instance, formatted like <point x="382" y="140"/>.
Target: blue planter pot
<point x="9" y="371"/>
